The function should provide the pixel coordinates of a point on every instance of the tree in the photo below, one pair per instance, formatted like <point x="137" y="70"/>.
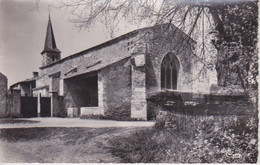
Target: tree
<point x="236" y="43"/>
<point x="233" y="23"/>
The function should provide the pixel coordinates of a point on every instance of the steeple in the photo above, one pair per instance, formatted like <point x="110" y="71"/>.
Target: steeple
<point x="50" y="52"/>
<point x="50" y="44"/>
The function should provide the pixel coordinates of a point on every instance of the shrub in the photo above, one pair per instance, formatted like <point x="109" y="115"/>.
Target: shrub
<point x="235" y="142"/>
<point x="230" y="140"/>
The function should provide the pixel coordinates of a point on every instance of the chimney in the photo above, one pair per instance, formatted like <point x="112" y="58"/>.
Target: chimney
<point x="35" y="74"/>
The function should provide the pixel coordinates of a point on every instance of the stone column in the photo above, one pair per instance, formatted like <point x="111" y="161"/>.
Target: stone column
<point x="54" y="103"/>
<point x="100" y="94"/>
<point x="61" y="87"/>
<point x="39" y="104"/>
<point x="138" y="102"/>
<point x="16" y="101"/>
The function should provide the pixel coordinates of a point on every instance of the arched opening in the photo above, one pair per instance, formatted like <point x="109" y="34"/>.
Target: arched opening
<point x="169" y="71"/>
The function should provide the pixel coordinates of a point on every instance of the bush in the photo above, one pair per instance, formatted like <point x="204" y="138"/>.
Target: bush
<point x="236" y="143"/>
<point x="230" y="140"/>
<point x="217" y="142"/>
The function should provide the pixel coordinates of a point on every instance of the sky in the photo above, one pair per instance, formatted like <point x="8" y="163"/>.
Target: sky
<point x="23" y="30"/>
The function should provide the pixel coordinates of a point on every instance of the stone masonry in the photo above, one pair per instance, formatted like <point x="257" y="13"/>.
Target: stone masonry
<point x="3" y="95"/>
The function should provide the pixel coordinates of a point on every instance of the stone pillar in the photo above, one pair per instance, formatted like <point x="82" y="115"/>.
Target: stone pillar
<point x="72" y="112"/>
<point x="16" y="101"/>
<point x="54" y="103"/>
<point x="100" y="94"/>
<point x="3" y="96"/>
<point x="138" y="102"/>
<point x="61" y="87"/>
<point x="39" y="104"/>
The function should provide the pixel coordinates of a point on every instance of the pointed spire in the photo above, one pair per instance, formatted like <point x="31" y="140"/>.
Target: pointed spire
<point x="50" y="44"/>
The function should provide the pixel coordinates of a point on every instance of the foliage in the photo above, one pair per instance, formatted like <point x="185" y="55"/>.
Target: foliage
<point x="232" y="140"/>
<point x="236" y="39"/>
<point x="234" y="143"/>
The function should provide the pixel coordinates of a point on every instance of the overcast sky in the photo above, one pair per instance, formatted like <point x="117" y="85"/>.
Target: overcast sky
<point x="22" y="35"/>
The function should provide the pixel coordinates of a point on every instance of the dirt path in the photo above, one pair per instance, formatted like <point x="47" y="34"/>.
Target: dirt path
<point x="59" y="145"/>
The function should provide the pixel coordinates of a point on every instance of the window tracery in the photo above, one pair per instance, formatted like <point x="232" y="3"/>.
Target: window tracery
<point x="169" y="72"/>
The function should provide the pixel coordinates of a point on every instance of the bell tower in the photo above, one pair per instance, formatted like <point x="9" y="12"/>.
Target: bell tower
<point x="50" y="52"/>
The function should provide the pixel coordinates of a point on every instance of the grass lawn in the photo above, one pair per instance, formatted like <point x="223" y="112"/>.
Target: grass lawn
<point x="59" y="145"/>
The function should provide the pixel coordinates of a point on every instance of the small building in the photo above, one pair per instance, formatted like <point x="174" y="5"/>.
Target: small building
<point x="25" y="86"/>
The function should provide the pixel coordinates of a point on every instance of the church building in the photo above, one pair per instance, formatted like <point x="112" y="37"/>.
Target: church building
<point x="114" y="79"/>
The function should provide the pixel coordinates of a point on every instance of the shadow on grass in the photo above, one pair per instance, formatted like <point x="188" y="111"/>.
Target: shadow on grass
<point x="17" y="121"/>
<point x="146" y="146"/>
<point x="68" y="135"/>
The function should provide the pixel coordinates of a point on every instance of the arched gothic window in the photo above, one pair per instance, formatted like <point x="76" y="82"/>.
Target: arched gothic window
<point x="169" y="71"/>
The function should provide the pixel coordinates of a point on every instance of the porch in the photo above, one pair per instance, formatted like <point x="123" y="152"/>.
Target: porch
<point x="84" y="95"/>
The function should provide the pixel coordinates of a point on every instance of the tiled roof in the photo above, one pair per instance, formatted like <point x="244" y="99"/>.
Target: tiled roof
<point x="24" y="81"/>
<point x="95" y="67"/>
<point x="2" y="75"/>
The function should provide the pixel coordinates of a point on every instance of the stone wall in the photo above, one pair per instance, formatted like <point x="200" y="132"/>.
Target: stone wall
<point x="138" y="78"/>
<point x="16" y="101"/>
<point x="3" y="95"/>
<point x="56" y="104"/>
<point x="44" y="92"/>
<point x="117" y="90"/>
<point x="43" y="80"/>
<point x="190" y="119"/>
<point x="161" y="42"/>
<point x="179" y="109"/>
<point x="203" y="79"/>
<point x="191" y="77"/>
<point x="164" y="40"/>
<point x="47" y="58"/>
<point x="13" y="104"/>
<point x="55" y="82"/>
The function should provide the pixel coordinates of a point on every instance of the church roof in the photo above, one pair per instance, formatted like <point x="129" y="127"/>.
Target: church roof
<point x="113" y="58"/>
<point x="50" y="44"/>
